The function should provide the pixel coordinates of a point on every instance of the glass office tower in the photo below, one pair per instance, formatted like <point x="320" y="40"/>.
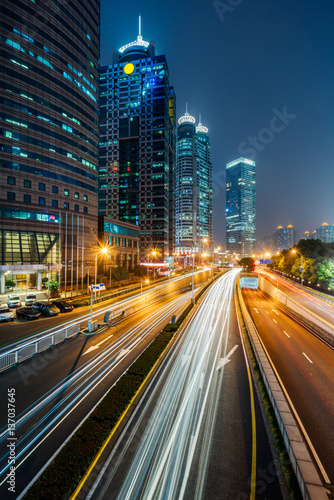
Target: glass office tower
<point x="49" y="130"/>
<point x="193" y="185"/>
<point x="240" y="207"/>
<point x="137" y="131"/>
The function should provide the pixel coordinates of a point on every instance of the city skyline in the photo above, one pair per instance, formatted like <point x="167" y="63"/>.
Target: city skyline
<point x="257" y="88"/>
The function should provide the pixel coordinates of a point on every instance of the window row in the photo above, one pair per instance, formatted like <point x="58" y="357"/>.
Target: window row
<point x="41" y="201"/>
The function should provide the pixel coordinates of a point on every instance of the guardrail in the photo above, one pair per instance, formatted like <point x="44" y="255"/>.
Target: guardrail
<point x="307" y="476"/>
<point x="322" y="327"/>
<point x="29" y="349"/>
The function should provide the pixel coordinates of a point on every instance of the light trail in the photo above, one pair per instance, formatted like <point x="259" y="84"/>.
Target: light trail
<point x="180" y="426"/>
<point x="74" y="389"/>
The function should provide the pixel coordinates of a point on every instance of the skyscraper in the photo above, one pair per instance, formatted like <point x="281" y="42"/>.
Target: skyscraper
<point x="240" y="207"/>
<point x="49" y="119"/>
<point x="285" y="237"/>
<point x="193" y="185"/>
<point x="137" y="109"/>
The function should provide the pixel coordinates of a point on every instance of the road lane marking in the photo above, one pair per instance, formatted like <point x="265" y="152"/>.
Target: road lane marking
<point x="93" y="347"/>
<point x="224" y="361"/>
<point x="255" y="310"/>
<point x="308" y="358"/>
<point x="275" y="321"/>
<point x="275" y="312"/>
<point x="267" y="312"/>
<point x="286" y="333"/>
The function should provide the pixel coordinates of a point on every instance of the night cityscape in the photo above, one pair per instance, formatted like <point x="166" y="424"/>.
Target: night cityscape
<point x="167" y="250"/>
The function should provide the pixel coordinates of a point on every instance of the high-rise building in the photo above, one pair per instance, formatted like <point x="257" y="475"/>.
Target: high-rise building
<point x="325" y="233"/>
<point x="285" y="237"/>
<point x="240" y="207"/>
<point x="137" y="110"/>
<point x="193" y="185"/>
<point x="49" y="127"/>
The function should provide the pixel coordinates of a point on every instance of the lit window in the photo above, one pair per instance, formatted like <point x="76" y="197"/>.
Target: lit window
<point x="76" y="196"/>
<point x="66" y="205"/>
<point x="85" y="197"/>
<point x="66" y="192"/>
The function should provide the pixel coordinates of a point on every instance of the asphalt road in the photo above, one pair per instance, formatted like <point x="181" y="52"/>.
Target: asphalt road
<point x="305" y="365"/>
<point x="199" y="432"/>
<point x="57" y="389"/>
<point x="302" y="297"/>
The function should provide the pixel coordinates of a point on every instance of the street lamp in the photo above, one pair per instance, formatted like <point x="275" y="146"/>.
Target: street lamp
<point x="141" y="285"/>
<point x="104" y="251"/>
<point x="302" y="265"/>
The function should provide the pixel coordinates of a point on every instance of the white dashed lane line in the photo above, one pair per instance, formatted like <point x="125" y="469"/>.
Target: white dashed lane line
<point x="308" y="358"/>
<point x="286" y="333"/>
<point x="275" y="321"/>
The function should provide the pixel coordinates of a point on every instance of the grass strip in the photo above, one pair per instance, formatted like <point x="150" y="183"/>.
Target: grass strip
<point x="288" y="472"/>
<point x="62" y="476"/>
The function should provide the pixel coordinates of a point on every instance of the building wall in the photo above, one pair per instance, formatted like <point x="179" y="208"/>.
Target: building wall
<point x="49" y="127"/>
<point x="136" y="145"/>
<point x="122" y="241"/>
<point x="240" y="207"/>
<point x="193" y="186"/>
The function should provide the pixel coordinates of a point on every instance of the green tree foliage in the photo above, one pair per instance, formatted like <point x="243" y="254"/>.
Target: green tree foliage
<point x="53" y="285"/>
<point x="140" y="271"/>
<point x="247" y="263"/>
<point x="119" y="273"/>
<point x="318" y="262"/>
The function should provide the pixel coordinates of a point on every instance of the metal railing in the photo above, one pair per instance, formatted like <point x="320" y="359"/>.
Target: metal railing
<point x="29" y="349"/>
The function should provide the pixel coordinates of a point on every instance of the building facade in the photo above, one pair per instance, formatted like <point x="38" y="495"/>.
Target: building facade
<point x="193" y="186"/>
<point x="137" y="144"/>
<point x="122" y="241"/>
<point x="240" y="207"/>
<point x="49" y="128"/>
<point x="325" y="233"/>
<point x="285" y="237"/>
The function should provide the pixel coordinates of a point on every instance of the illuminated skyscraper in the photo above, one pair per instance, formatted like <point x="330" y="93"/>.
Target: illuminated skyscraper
<point x="137" y="130"/>
<point x="240" y="207"/>
<point x="49" y="153"/>
<point x="193" y="185"/>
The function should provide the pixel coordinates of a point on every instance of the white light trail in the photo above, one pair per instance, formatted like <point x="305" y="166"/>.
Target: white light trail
<point x="181" y="424"/>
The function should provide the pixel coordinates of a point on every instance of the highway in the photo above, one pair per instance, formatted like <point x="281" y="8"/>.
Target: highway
<point x="302" y="297"/>
<point x="305" y="365"/>
<point x="199" y="432"/>
<point x="56" y="390"/>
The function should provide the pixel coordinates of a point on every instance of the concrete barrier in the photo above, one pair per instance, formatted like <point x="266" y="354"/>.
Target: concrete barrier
<point x="307" y="476"/>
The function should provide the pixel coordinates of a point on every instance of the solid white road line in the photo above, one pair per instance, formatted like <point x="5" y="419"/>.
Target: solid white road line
<point x="308" y="358"/>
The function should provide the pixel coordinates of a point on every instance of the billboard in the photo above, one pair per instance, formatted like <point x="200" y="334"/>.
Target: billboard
<point x="266" y="261"/>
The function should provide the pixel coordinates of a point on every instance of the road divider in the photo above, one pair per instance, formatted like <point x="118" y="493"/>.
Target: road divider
<point x="301" y="461"/>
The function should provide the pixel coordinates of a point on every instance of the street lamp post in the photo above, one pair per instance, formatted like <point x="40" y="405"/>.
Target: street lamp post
<point x="302" y="266"/>
<point x="102" y="250"/>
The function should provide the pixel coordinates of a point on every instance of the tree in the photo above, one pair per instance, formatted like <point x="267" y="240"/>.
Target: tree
<point x="53" y="285"/>
<point x="140" y="271"/>
<point x="10" y="283"/>
<point x="247" y="263"/>
<point x="325" y="273"/>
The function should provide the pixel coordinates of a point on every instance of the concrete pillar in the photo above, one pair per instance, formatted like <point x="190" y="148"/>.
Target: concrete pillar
<point x="2" y="283"/>
<point x="39" y="281"/>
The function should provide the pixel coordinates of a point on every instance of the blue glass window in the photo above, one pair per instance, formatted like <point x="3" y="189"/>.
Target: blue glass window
<point x="55" y="203"/>
<point x="66" y="205"/>
<point x="11" y="196"/>
<point x="41" y="201"/>
<point x="55" y="189"/>
<point x="11" y="181"/>
<point x="27" y="184"/>
<point x="27" y="198"/>
<point x="41" y="186"/>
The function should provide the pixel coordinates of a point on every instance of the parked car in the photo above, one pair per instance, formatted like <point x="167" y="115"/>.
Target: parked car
<point x="63" y="305"/>
<point x="5" y="313"/>
<point x="30" y="299"/>
<point x="14" y="301"/>
<point x="46" y="308"/>
<point x="27" y="313"/>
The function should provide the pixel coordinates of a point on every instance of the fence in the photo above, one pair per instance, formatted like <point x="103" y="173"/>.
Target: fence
<point x="29" y="349"/>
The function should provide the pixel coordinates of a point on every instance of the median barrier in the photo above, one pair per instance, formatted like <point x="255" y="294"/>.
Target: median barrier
<point x="310" y="320"/>
<point x="306" y="473"/>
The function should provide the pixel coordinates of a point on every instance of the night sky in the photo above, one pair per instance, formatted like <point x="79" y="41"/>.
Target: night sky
<point x="243" y="64"/>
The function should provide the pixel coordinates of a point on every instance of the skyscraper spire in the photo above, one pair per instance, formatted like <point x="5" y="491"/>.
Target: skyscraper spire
<point x="139" y="35"/>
